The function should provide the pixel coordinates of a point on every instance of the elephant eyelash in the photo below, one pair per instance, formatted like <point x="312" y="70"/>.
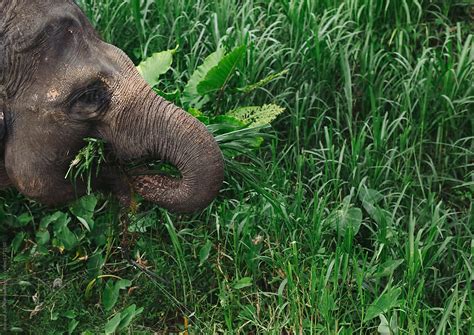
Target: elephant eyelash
<point x="94" y="94"/>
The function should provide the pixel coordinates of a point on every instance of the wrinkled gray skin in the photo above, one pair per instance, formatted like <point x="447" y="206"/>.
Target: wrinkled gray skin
<point x="60" y="83"/>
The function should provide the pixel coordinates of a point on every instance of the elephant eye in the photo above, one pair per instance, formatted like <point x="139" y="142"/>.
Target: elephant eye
<point x="90" y="101"/>
<point x="93" y="94"/>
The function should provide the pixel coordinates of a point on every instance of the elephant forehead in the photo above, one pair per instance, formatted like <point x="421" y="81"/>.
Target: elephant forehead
<point x="40" y="15"/>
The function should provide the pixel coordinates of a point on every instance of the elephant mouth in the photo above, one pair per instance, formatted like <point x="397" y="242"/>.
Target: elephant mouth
<point x="148" y="180"/>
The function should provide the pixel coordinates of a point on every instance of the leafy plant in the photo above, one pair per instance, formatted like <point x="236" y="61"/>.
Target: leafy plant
<point x="210" y="82"/>
<point x="87" y="162"/>
<point x="378" y="135"/>
<point x="156" y="65"/>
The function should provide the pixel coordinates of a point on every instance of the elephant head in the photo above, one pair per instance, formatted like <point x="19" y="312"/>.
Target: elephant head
<point x="60" y="83"/>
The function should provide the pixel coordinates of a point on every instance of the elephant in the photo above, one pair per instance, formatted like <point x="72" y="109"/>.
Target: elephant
<point x="61" y="83"/>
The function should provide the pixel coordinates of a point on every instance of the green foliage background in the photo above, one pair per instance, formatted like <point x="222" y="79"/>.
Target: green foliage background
<point x="356" y="216"/>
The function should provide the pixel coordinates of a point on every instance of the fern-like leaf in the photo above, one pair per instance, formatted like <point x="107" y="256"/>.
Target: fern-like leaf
<point x="256" y="116"/>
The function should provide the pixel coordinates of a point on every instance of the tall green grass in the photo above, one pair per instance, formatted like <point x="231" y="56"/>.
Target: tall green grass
<point x="356" y="217"/>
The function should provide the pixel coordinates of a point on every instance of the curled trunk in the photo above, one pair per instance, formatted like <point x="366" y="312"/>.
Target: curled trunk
<point x="160" y="130"/>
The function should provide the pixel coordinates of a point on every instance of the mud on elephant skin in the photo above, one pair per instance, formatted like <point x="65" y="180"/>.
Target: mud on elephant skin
<point x="60" y="83"/>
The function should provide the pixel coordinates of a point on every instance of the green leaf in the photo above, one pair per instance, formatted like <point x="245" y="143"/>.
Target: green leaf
<point x="63" y="233"/>
<point x="111" y="292"/>
<point x="190" y="93"/>
<point x="113" y="324"/>
<point x="220" y="75"/>
<point x="110" y="296"/>
<point x="72" y="326"/>
<point x="83" y="210"/>
<point x="257" y="116"/>
<point x="242" y="283"/>
<point x="263" y="82"/>
<point x="142" y="224"/>
<point x="67" y="238"/>
<point x="204" y="252"/>
<point x="42" y="236"/>
<point x="369" y="199"/>
<point x="57" y="217"/>
<point x="95" y="264"/>
<point x="384" y="327"/>
<point x="345" y="218"/>
<point x="222" y="124"/>
<point x="239" y="141"/>
<point x="70" y="314"/>
<point x="382" y="304"/>
<point x="387" y="268"/>
<point x="24" y="219"/>
<point x="173" y="96"/>
<point x="154" y="66"/>
<point x="370" y="196"/>
<point x="17" y="241"/>
<point x="128" y="315"/>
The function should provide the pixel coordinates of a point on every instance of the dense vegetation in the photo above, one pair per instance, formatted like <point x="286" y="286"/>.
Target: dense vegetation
<point x="354" y="216"/>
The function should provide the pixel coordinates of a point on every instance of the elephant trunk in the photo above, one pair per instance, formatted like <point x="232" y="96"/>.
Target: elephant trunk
<point x="160" y="130"/>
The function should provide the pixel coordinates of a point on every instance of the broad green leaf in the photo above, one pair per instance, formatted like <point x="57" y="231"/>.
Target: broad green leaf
<point x="111" y="292"/>
<point x="83" y="210"/>
<point x="384" y="327"/>
<point x="190" y="94"/>
<point x="70" y="314"/>
<point x="123" y="283"/>
<point x="195" y="112"/>
<point x="263" y="82"/>
<point x="256" y="116"/>
<point x="369" y="195"/>
<point x="128" y="315"/>
<point x="67" y="238"/>
<point x="42" y="236"/>
<point x="239" y="141"/>
<point x="57" y="217"/>
<point x="113" y="324"/>
<point x="17" y="241"/>
<point x="62" y="233"/>
<point x="204" y="252"/>
<point x="387" y="268"/>
<point x="346" y="218"/>
<point x="173" y="96"/>
<point x="154" y="66"/>
<point x="110" y="296"/>
<point x="220" y="75"/>
<point x="382" y="304"/>
<point x="95" y="264"/>
<point x="23" y="220"/>
<point x="242" y="283"/>
<point x="394" y="323"/>
<point x="72" y="326"/>
<point x="223" y="124"/>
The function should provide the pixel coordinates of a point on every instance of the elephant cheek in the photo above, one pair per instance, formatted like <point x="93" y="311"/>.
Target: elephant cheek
<point x="39" y="182"/>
